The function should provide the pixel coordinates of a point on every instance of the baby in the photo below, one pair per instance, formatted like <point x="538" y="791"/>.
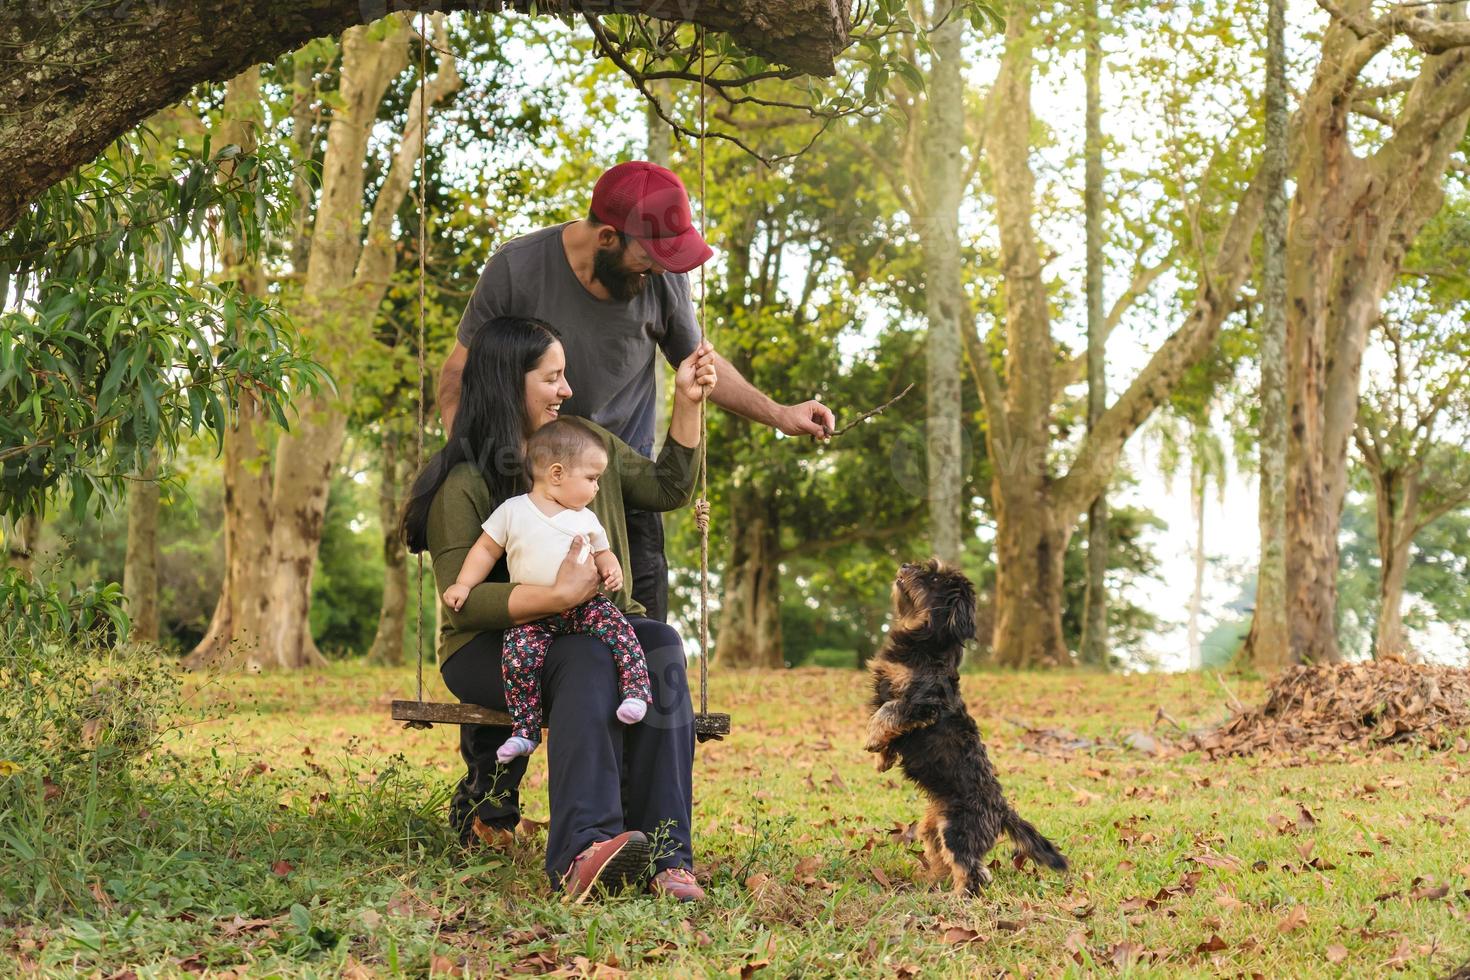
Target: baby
<point x="534" y="532"/>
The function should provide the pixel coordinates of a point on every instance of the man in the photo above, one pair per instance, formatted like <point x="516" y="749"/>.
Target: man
<point x="615" y="286"/>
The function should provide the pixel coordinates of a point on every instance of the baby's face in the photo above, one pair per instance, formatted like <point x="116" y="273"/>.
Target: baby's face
<point x="579" y="481"/>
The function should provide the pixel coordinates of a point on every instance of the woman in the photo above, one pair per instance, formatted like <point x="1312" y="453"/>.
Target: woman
<point x="612" y="786"/>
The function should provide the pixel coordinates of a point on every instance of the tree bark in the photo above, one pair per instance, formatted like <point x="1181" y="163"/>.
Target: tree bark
<point x="237" y="629"/>
<point x="1268" y="646"/>
<point x="750" y="608"/>
<point x="1029" y="554"/>
<point x="346" y="276"/>
<point x="140" y="562"/>
<point x="1198" y="483"/>
<point x="1352" y="220"/>
<point x="387" y="645"/>
<point x="1094" y="646"/>
<point x="81" y="72"/>
<point x="1397" y="509"/>
<point x="943" y="143"/>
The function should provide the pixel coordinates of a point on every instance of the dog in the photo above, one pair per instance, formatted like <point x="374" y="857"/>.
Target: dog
<point x="919" y="719"/>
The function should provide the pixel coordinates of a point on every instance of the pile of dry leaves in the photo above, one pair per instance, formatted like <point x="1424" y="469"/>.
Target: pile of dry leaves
<point x="1332" y="706"/>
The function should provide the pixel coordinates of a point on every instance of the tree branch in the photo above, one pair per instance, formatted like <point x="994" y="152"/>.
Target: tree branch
<point x="1073" y="371"/>
<point x="991" y="392"/>
<point x="80" y="73"/>
<point x="375" y="266"/>
<point x="1097" y="458"/>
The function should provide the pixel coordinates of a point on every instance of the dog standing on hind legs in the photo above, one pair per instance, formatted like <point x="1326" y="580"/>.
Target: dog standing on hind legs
<point x="919" y="720"/>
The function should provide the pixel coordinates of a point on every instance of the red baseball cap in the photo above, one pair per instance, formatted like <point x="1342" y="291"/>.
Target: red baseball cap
<point x="648" y="203"/>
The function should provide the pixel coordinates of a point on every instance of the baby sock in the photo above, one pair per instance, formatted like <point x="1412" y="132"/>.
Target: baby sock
<point x="632" y="710"/>
<point x="513" y="747"/>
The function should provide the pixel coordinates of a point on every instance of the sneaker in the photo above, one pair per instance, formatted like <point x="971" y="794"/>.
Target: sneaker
<point x="614" y="864"/>
<point x="677" y="883"/>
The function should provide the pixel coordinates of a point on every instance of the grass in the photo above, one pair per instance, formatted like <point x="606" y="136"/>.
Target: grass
<point x="289" y="828"/>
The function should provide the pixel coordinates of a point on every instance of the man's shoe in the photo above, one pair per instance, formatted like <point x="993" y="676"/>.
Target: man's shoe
<point x="676" y="883"/>
<point x="614" y="864"/>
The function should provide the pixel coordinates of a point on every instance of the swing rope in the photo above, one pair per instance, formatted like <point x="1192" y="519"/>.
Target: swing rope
<point x="701" y="506"/>
<point x="418" y="460"/>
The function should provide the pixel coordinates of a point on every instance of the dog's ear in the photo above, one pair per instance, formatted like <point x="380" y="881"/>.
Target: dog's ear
<point x="959" y="610"/>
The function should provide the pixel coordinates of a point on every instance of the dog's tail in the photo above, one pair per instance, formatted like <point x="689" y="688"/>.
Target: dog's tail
<point x="1030" y="843"/>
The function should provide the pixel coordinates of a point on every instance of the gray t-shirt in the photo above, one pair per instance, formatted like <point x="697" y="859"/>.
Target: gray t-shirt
<point x="610" y="346"/>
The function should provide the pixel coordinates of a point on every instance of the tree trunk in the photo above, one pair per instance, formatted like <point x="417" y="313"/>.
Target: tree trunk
<point x="1397" y="509"/>
<point x="347" y="272"/>
<point x="305" y="461"/>
<point x="750" y="605"/>
<point x="1268" y="646"/>
<point x="140" y="562"/>
<point x="943" y="143"/>
<point x="387" y="645"/>
<point x="1029" y="553"/>
<point x="1094" y="646"/>
<point x="85" y="73"/>
<point x="1197" y="485"/>
<point x="238" y="627"/>
<point x="1352" y="220"/>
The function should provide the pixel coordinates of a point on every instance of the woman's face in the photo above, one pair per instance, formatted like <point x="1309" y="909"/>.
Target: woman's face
<point x="546" y="388"/>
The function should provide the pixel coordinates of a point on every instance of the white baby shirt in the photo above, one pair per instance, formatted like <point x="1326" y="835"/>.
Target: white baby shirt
<point x="535" y="544"/>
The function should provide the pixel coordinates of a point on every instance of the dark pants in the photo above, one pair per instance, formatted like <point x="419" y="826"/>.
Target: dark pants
<point x="605" y="777"/>
<point x="650" y="567"/>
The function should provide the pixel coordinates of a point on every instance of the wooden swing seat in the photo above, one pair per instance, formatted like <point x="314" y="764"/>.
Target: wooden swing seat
<point x="427" y="713"/>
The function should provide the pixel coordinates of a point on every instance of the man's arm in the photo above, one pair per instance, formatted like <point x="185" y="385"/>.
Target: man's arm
<point x="448" y="390"/>
<point x="735" y="394"/>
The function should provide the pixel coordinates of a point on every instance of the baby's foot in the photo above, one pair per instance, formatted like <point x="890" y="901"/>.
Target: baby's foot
<point x="632" y="710"/>
<point x="514" y="747"/>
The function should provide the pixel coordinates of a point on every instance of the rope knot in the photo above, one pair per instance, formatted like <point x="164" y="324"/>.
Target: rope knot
<point x="701" y="515"/>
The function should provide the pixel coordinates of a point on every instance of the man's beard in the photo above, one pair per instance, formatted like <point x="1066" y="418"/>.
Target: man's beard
<point x="622" y="283"/>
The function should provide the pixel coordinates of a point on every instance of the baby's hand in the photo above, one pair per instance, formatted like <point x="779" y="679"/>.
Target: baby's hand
<point x="455" y="595"/>
<point x="610" y="569"/>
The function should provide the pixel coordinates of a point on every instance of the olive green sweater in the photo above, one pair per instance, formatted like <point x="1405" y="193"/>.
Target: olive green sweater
<point x="463" y="504"/>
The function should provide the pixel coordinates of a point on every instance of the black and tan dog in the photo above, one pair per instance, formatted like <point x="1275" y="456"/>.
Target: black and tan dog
<point x="920" y="720"/>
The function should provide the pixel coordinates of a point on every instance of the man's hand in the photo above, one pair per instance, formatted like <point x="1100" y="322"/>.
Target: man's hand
<point x="577" y="579"/>
<point x="810" y="418"/>
<point x="610" y="569"/>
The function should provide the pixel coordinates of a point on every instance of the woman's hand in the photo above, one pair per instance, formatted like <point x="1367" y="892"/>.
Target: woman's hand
<point x="695" y="377"/>
<point x="577" y="580"/>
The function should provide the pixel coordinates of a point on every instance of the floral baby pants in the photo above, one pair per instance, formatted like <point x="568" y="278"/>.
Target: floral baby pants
<point x="525" y="652"/>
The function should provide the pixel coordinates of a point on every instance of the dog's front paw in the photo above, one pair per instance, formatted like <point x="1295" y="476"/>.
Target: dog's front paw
<point x="880" y="730"/>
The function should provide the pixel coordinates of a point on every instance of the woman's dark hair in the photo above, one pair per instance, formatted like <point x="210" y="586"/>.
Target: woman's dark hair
<point x="490" y="425"/>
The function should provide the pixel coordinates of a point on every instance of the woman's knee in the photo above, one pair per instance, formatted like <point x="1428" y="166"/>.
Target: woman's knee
<point x="668" y="670"/>
<point x="580" y="669"/>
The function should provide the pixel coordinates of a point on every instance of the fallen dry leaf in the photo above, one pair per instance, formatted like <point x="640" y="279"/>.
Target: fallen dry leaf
<point x="959" y="935"/>
<point x="1295" y="919"/>
<point x="1125" y="955"/>
<point x="808" y="865"/>
<point x="282" y="868"/>
<point x="1211" y="859"/>
<point x="1430" y="891"/>
<point x="1336" y="953"/>
<point x="1212" y="945"/>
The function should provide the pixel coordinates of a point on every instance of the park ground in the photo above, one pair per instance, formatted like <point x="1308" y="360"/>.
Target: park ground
<point x="283" y="825"/>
